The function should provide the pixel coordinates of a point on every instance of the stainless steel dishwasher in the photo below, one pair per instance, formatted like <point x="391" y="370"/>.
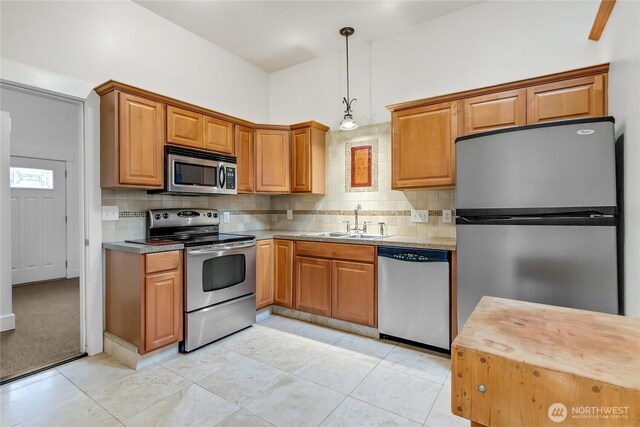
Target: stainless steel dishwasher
<point x="413" y="295"/>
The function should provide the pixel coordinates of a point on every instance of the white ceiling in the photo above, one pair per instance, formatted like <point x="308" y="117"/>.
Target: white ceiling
<point x="275" y="35"/>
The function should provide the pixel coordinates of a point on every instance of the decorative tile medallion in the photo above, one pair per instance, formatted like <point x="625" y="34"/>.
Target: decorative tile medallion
<point x="361" y="165"/>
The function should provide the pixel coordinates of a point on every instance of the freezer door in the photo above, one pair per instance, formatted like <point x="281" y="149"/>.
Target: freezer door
<point x="570" y="266"/>
<point x="541" y="167"/>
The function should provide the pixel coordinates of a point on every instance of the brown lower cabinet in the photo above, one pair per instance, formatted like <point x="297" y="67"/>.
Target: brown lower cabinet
<point x="144" y="298"/>
<point x="283" y="263"/>
<point x="336" y="280"/>
<point x="313" y="285"/>
<point x="352" y="292"/>
<point x="264" y="273"/>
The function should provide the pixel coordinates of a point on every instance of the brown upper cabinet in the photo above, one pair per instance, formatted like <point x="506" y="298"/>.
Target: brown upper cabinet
<point x="136" y="124"/>
<point x="422" y="153"/>
<point x="131" y="141"/>
<point x="195" y="130"/>
<point x="245" y="159"/>
<point x="218" y="135"/>
<point x="184" y="127"/>
<point x="569" y="99"/>
<point x="494" y="111"/>
<point x="272" y="161"/>
<point x="308" y="158"/>
<point x="424" y="131"/>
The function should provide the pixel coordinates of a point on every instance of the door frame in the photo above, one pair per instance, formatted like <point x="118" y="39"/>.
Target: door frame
<point x="46" y="83"/>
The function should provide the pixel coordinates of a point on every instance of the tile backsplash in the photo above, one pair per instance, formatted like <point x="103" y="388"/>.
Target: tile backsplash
<point x="327" y="212"/>
<point x="310" y="212"/>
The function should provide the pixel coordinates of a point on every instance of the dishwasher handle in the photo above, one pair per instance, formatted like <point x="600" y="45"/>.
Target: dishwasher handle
<point x="413" y="255"/>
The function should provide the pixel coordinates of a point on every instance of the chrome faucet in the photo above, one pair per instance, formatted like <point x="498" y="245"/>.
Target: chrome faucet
<point x="358" y="207"/>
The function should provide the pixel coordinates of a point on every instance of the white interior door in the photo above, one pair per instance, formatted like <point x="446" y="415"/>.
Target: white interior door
<point x="38" y="198"/>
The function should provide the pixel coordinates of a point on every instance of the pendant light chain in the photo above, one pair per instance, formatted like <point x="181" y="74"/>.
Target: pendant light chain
<point x="347" y="123"/>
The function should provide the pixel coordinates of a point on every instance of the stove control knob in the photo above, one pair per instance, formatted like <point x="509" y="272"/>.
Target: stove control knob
<point x="165" y="215"/>
<point x="209" y="214"/>
<point x="215" y="214"/>
<point x="157" y="216"/>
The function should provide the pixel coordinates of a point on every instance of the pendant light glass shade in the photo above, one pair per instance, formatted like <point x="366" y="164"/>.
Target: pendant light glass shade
<point x="347" y="122"/>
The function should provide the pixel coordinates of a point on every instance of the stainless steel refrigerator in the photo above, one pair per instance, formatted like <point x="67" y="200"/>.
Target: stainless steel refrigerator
<point x="537" y="216"/>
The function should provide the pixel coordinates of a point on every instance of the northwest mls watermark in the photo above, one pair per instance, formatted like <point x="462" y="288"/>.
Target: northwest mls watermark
<point x="557" y="412"/>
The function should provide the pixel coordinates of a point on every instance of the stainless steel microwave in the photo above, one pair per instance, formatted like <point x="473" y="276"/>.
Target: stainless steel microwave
<point x="198" y="172"/>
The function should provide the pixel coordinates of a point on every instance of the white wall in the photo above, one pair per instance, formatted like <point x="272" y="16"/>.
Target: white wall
<point x="621" y="42"/>
<point x="491" y="43"/>
<point x="7" y="318"/>
<point x="50" y="127"/>
<point x="98" y="41"/>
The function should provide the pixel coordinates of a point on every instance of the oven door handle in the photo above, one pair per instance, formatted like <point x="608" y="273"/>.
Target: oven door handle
<point x="221" y="248"/>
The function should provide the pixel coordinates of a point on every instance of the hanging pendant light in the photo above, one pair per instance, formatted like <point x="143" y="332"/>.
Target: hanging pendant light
<point x="347" y="122"/>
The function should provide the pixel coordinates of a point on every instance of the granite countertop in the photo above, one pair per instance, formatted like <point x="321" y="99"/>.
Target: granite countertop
<point x="140" y="248"/>
<point x="441" y="243"/>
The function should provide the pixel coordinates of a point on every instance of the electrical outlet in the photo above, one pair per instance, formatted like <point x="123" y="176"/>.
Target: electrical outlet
<point x="289" y="214"/>
<point x="110" y="213"/>
<point x="225" y="217"/>
<point x="419" y="215"/>
<point x="446" y="216"/>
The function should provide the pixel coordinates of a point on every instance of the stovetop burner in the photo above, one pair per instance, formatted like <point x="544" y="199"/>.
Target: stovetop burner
<point x="192" y="227"/>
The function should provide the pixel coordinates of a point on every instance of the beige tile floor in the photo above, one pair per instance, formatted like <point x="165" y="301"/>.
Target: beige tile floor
<point x="280" y="372"/>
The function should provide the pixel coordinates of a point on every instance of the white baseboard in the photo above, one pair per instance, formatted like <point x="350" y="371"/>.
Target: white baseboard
<point x="7" y="322"/>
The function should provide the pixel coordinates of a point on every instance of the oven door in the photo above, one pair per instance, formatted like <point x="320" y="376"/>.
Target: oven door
<point x="219" y="273"/>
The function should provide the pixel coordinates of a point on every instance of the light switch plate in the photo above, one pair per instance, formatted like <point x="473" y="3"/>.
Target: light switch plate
<point x="225" y="216"/>
<point x="419" y="215"/>
<point x="446" y="216"/>
<point x="289" y="214"/>
<point x="110" y="213"/>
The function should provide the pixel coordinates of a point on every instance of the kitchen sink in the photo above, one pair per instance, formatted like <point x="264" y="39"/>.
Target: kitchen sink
<point x="327" y="234"/>
<point x="341" y="235"/>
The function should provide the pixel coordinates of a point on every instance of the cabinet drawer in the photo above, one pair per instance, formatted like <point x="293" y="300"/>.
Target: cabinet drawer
<point x="363" y="253"/>
<point x="162" y="261"/>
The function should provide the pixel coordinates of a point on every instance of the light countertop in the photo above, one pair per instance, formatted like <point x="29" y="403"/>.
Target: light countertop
<point x="441" y="243"/>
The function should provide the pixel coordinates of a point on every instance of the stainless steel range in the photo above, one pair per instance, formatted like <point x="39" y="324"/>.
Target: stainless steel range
<point x="219" y="273"/>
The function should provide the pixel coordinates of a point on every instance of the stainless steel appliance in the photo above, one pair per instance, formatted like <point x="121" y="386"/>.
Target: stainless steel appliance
<point x="537" y="216"/>
<point x="413" y="295"/>
<point x="219" y="273"/>
<point x="198" y="172"/>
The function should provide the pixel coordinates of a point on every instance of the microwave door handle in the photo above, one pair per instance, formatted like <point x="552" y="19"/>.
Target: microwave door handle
<point x="221" y="175"/>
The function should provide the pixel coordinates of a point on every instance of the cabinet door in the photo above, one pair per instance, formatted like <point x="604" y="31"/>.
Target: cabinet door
<point x="313" y="285"/>
<point x="184" y="127"/>
<point x="141" y="132"/>
<point x="569" y="99"/>
<point x="245" y="158"/>
<point x="353" y="296"/>
<point x="218" y="135"/>
<point x="264" y="273"/>
<point x="494" y="111"/>
<point x="301" y="160"/>
<point x="422" y="148"/>
<point x="283" y="273"/>
<point x="272" y="161"/>
<point x="163" y="310"/>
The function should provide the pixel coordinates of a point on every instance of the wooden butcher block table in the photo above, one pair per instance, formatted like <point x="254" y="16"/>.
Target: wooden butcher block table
<point x="522" y="364"/>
